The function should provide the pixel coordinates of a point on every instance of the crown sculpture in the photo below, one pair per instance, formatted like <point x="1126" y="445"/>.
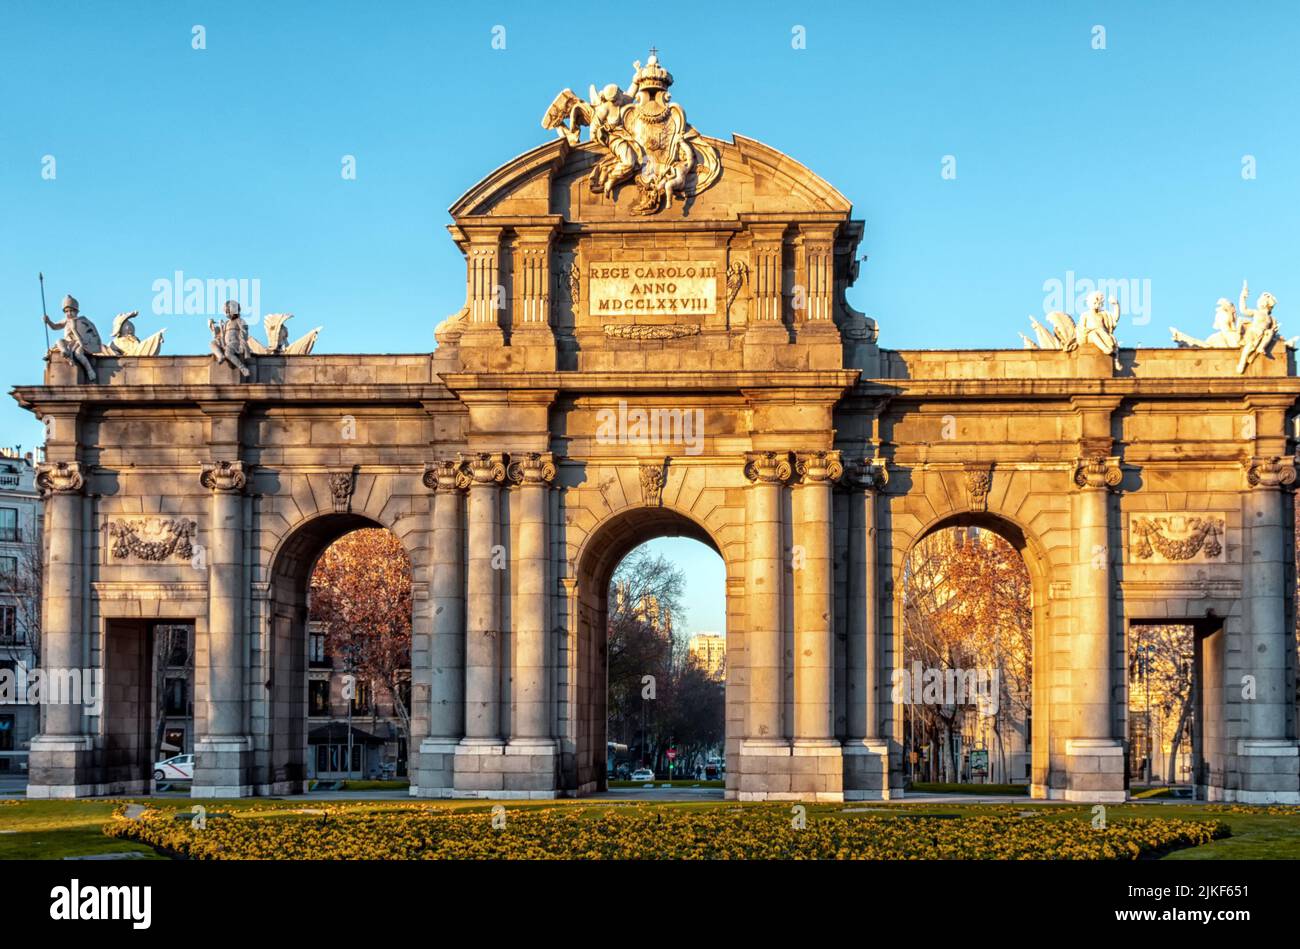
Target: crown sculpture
<point x="645" y="137"/>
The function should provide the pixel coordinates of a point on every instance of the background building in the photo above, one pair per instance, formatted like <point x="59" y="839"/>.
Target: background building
<point x="709" y="650"/>
<point x="377" y="748"/>
<point x="20" y="598"/>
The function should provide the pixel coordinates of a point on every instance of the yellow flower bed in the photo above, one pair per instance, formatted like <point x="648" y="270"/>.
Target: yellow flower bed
<point x="580" y="832"/>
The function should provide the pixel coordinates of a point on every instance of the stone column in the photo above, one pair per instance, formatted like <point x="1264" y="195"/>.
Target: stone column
<point x="531" y="754"/>
<point x="817" y="770"/>
<point x="483" y="601"/>
<point x="446" y="708"/>
<point x="866" y="765"/>
<point x="531" y="711"/>
<point x="1267" y="758"/>
<point x="224" y="749"/>
<point x="768" y="471"/>
<point x="1095" y="759"/>
<point x="59" y="763"/>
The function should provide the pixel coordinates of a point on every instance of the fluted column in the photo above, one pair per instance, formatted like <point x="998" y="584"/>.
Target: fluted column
<point x="531" y="722"/>
<point x="61" y="485"/>
<point x="1092" y="645"/>
<point x="449" y="480"/>
<point x="1094" y="757"/>
<point x="483" y="600"/>
<point x="1264" y="645"/>
<point x="223" y="752"/>
<point x="226" y="480"/>
<point x="767" y="471"/>
<point x="814" y="706"/>
<point x="863" y="645"/>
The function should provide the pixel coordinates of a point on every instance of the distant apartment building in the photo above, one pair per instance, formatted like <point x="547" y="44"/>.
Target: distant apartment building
<point x="366" y="744"/>
<point x="709" y="651"/>
<point x="20" y="600"/>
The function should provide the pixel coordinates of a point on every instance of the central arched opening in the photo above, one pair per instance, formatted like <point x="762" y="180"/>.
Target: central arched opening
<point x="339" y="654"/>
<point x="651" y="667"/>
<point x="970" y="682"/>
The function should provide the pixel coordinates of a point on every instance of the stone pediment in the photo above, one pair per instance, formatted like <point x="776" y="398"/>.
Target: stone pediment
<point x="552" y="180"/>
<point x="632" y="240"/>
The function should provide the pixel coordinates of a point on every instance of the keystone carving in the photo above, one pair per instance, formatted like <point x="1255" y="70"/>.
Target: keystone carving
<point x="979" y="479"/>
<point x="653" y="477"/>
<point x="342" y="484"/>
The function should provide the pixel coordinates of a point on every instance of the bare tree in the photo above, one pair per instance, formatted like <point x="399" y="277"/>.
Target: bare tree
<point x="23" y="588"/>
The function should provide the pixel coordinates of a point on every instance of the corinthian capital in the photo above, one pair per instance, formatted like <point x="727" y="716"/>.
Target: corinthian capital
<point x="768" y="467"/>
<point x="447" y="475"/>
<point x="1275" y="472"/>
<point x="485" y="467"/>
<point x="1098" y="471"/>
<point x="535" y="467"/>
<point x="224" y="476"/>
<point x="60" y="477"/>
<point x="816" y="467"/>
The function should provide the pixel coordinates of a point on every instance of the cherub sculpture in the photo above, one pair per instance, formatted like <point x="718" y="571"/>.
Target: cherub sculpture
<point x="1259" y="334"/>
<point x="1097" y="326"/>
<point x="277" y="338"/>
<point x="230" y="339"/>
<point x="124" y="341"/>
<point x="80" y="338"/>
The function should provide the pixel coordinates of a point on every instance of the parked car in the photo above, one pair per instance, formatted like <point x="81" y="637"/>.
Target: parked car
<point x="177" y="768"/>
<point x="643" y="774"/>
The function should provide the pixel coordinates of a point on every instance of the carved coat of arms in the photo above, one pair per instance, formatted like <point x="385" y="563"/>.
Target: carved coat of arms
<point x="645" y="136"/>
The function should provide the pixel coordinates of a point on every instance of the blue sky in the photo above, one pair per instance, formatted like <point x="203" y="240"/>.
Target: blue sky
<point x="1122" y="163"/>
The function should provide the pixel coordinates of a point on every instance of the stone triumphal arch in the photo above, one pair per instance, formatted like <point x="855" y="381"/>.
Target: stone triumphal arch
<point x="656" y="340"/>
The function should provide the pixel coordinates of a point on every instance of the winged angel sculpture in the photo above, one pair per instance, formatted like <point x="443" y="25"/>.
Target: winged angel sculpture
<point x="277" y="338"/>
<point x="1096" y="326"/>
<point x="645" y="136"/>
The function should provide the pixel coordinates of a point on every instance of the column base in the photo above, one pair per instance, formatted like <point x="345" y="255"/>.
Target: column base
<point x="867" y="772"/>
<point x="223" y="767"/>
<point x="524" y="769"/>
<point x="62" y="766"/>
<point x="1095" y="771"/>
<point x="1268" y="772"/>
<point x="776" y="770"/>
<point x="434" y="774"/>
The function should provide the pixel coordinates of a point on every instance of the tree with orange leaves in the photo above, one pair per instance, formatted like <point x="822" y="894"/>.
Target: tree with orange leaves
<point x="361" y="593"/>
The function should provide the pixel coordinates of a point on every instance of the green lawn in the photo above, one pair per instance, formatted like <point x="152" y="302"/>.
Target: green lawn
<point x="56" y="829"/>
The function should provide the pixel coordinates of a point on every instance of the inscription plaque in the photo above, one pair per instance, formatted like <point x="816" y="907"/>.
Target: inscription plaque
<point x="652" y="289"/>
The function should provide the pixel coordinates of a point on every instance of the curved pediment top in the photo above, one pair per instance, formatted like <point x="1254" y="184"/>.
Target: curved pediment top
<point x="536" y="164"/>
<point x="631" y="156"/>
<point x="791" y="173"/>
<point x="753" y="178"/>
